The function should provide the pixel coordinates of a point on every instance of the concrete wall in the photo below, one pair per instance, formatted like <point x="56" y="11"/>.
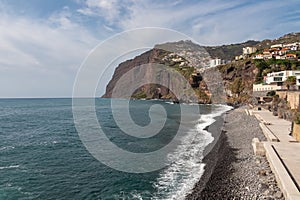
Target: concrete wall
<point x="260" y="93"/>
<point x="267" y="88"/>
<point x="292" y="97"/>
<point x="296" y="131"/>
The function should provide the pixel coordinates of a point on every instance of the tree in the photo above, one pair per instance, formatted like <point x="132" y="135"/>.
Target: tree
<point x="290" y="81"/>
<point x="271" y="93"/>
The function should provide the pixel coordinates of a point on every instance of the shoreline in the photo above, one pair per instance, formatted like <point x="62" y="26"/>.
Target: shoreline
<point x="232" y="171"/>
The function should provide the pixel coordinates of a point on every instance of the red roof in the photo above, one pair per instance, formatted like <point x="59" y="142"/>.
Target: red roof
<point x="291" y="55"/>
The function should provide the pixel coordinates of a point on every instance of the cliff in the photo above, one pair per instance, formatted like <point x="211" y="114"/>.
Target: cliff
<point x="186" y="66"/>
<point x="238" y="78"/>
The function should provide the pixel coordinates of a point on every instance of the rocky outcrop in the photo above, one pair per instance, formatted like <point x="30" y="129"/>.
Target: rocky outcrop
<point x="185" y="65"/>
<point x="238" y="78"/>
<point x="281" y="108"/>
<point x="215" y="84"/>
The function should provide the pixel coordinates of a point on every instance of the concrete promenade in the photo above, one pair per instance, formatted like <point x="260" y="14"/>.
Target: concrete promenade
<point x="282" y="152"/>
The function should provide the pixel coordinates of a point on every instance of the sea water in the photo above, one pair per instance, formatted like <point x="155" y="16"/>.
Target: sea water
<point x="42" y="156"/>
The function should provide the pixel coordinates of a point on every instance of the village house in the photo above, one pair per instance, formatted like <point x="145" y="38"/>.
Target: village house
<point x="278" y="78"/>
<point x="240" y="57"/>
<point x="277" y="46"/>
<point x="280" y="57"/>
<point x="259" y="56"/>
<point x="275" y="80"/>
<point x="291" y="56"/>
<point x="215" y="62"/>
<point x="267" y="55"/>
<point x="282" y="51"/>
<point x="298" y="82"/>
<point x="249" y="50"/>
<point x="292" y="46"/>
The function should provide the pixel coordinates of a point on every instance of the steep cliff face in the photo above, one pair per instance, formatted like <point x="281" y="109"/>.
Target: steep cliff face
<point x="170" y="60"/>
<point x="145" y="58"/>
<point x="238" y="78"/>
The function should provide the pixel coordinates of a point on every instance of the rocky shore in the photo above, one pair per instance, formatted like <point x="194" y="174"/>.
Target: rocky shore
<point x="232" y="170"/>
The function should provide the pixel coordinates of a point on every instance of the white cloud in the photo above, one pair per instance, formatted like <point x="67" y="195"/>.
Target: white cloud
<point x="110" y="10"/>
<point x="211" y="22"/>
<point x="47" y="51"/>
<point x="63" y="19"/>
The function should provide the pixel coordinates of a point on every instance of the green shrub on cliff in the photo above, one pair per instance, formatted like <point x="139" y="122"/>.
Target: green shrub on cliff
<point x="261" y="66"/>
<point x="139" y="95"/>
<point x="271" y="93"/>
<point x="237" y="86"/>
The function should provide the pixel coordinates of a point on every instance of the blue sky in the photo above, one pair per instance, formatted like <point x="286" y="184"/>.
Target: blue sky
<point x="43" y="42"/>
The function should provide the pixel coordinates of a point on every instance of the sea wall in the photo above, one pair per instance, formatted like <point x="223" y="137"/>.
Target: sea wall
<point x="296" y="131"/>
<point x="260" y="93"/>
<point x="292" y="97"/>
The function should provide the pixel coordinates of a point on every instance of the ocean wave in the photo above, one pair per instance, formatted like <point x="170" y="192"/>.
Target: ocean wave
<point x="134" y="195"/>
<point x="10" y="167"/>
<point x="6" y="148"/>
<point x="186" y="169"/>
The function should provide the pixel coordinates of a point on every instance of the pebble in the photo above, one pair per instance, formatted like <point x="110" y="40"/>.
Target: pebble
<point x="239" y="174"/>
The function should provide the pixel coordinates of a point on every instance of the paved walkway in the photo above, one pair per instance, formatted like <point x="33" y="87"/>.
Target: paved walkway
<point x="279" y="127"/>
<point x="284" y="155"/>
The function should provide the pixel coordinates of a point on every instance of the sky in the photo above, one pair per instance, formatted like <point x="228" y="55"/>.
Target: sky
<point x="44" y="42"/>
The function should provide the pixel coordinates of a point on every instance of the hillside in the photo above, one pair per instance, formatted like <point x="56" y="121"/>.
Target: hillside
<point x="288" y="38"/>
<point x="232" y="81"/>
<point x="228" y="52"/>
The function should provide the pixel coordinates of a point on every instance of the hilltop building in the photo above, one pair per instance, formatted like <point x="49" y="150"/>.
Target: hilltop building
<point x="249" y="50"/>
<point x="215" y="62"/>
<point x="277" y="46"/>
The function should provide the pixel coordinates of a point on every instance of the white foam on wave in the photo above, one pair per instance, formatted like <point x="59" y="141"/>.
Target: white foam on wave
<point x="6" y="148"/>
<point x="176" y="181"/>
<point x="134" y="195"/>
<point x="10" y="167"/>
<point x="169" y="102"/>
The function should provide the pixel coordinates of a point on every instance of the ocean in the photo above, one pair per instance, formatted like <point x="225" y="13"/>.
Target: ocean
<point x="42" y="155"/>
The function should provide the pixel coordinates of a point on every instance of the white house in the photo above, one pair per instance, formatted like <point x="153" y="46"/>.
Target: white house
<point x="267" y="55"/>
<point x="259" y="56"/>
<point x="215" y="62"/>
<point x="277" y="46"/>
<point x="291" y="56"/>
<point x="249" y="50"/>
<point x="292" y="46"/>
<point x="278" y="57"/>
<point x="298" y="82"/>
<point x="279" y="77"/>
<point x="275" y="81"/>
